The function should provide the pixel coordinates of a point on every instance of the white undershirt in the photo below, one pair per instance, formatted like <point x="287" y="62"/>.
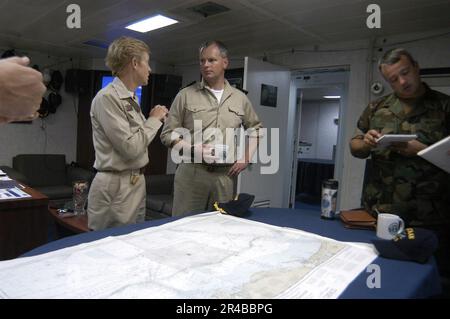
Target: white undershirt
<point x="217" y="93"/>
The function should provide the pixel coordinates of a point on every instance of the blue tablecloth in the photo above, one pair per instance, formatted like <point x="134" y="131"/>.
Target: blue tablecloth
<point x="399" y="279"/>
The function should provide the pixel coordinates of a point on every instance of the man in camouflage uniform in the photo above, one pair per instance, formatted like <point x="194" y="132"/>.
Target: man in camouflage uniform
<point x="215" y="106"/>
<point x="400" y="182"/>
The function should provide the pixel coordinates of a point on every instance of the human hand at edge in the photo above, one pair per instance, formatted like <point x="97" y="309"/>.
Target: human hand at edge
<point x="21" y="90"/>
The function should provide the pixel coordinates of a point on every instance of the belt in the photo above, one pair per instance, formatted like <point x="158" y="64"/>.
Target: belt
<point x="139" y="171"/>
<point x="215" y="168"/>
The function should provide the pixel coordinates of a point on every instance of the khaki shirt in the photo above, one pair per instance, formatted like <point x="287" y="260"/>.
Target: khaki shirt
<point x="120" y="132"/>
<point x="197" y="102"/>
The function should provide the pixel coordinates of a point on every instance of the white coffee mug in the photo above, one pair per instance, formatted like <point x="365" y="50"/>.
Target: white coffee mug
<point x="221" y="152"/>
<point x="389" y="225"/>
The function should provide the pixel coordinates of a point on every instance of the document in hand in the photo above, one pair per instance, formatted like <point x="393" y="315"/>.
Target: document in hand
<point x="437" y="154"/>
<point x="387" y="139"/>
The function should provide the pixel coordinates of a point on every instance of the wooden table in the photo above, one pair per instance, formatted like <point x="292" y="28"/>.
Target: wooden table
<point x="76" y="224"/>
<point x="23" y="224"/>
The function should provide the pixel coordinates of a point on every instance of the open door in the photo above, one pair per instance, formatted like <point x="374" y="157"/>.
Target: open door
<point x="319" y="145"/>
<point x="268" y="86"/>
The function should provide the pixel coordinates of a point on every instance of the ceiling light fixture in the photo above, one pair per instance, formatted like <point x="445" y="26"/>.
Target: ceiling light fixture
<point x="332" y="96"/>
<point x="152" y="23"/>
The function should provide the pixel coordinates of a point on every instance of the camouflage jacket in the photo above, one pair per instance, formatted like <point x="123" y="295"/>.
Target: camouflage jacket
<point x="410" y="187"/>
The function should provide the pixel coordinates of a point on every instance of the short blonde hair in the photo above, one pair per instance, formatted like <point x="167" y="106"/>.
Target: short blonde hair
<point x="122" y="50"/>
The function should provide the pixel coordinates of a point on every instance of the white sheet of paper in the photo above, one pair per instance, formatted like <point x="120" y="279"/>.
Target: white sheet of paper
<point x="387" y="139"/>
<point x="438" y="154"/>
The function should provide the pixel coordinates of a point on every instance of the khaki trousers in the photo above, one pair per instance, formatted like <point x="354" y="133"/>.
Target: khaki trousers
<point x="113" y="201"/>
<point x="196" y="188"/>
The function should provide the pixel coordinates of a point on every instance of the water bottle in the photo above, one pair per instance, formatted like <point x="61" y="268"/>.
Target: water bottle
<point x="329" y="197"/>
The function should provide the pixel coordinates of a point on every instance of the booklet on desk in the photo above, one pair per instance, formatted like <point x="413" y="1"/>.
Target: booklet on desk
<point x="437" y="154"/>
<point x="387" y="139"/>
<point x="12" y="193"/>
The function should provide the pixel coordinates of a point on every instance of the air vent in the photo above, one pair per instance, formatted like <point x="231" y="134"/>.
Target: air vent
<point x="208" y="9"/>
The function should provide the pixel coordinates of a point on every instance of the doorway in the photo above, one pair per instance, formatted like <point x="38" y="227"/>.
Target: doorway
<point x="321" y="100"/>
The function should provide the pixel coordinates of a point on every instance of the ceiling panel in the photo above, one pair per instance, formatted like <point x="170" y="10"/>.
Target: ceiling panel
<point x="337" y="13"/>
<point x="251" y="27"/>
<point x="408" y="14"/>
<point x="14" y="15"/>
<point x="288" y="7"/>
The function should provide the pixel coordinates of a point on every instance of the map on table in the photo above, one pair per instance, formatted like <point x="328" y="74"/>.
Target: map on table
<point x="210" y="255"/>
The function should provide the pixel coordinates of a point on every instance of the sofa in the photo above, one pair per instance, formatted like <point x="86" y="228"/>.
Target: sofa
<point x="159" y="196"/>
<point x="49" y="174"/>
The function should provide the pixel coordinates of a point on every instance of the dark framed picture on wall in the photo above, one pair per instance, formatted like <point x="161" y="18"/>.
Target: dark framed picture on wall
<point x="269" y="95"/>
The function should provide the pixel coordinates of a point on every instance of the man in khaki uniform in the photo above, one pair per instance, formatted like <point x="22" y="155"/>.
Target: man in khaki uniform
<point x="206" y="110"/>
<point x="121" y="137"/>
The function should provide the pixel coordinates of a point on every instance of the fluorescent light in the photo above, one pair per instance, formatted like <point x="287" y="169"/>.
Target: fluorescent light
<point x="151" y="23"/>
<point x="332" y="96"/>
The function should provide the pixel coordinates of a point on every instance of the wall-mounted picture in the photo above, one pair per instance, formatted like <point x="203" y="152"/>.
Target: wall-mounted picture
<point x="269" y="95"/>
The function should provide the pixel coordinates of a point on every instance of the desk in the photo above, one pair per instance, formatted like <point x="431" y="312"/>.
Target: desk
<point x="399" y="279"/>
<point x="23" y="224"/>
<point x="76" y="224"/>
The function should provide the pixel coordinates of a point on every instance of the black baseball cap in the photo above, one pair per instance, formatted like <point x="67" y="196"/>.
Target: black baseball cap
<point x="414" y="244"/>
<point x="237" y="207"/>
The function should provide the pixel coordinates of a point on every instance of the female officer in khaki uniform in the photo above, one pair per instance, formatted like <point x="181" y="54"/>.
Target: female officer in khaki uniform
<point x="121" y="137"/>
